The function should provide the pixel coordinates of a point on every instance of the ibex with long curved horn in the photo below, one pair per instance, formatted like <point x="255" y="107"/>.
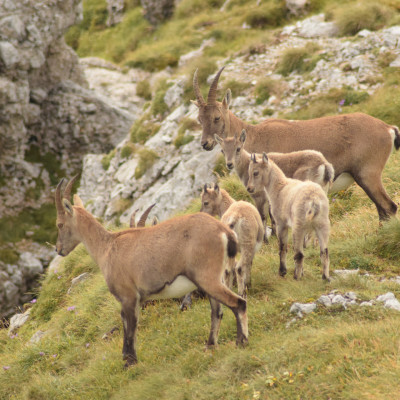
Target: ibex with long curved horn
<point x="357" y="145"/>
<point x="162" y="261"/>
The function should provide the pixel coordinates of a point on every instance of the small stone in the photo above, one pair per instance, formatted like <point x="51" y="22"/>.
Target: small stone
<point x="367" y="303"/>
<point x="303" y="308"/>
<point x="393" y="304"/>
<point x="385" y="297"/>
<point x="339" y="299"/>
<point x="325" y="300"/>
<point x="17" y="321"/>
<point x="36" y="337"/>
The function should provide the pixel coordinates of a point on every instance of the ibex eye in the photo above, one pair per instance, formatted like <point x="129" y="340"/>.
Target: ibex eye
<point x="216" y="119"/>
<point x="238" y="150"/>
<point x="60" y="226"/>
<point x="255" y="173"/>
<point x="206" y="203"/>
<point x="222" y="152"/>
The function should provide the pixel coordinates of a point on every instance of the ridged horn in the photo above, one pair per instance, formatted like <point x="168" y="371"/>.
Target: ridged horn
<point x="132" y="221"/>
<point x="197" y="91"/>
<point x="59" y="205"/>
<point x="142" y="220"/>
<point x="212" y="93"/>
<point x="68" y="189"/>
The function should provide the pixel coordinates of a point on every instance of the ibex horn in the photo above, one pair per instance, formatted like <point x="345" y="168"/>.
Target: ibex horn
<point x="142" y="220"/>
<point x="59" y="205"/>
<point x="67" y="191"/>
<point x="212" y="94"/>
<point x="196" y="88"/>
<point x="132" y="221"/>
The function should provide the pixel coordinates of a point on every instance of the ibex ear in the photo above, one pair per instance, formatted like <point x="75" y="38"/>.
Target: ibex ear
<point x="227" y="99"/>
<point x="265" y="157"/>
<point x="243" y="136"/>
<point x="68" y="207"/>
<point x="253" y="158"/>
<point x="195" y="102"/>
<point x="77" y="201"/>
<point x="216" y="188"/>
<point x="205" y="188"/>
<point x="218" y="139"/>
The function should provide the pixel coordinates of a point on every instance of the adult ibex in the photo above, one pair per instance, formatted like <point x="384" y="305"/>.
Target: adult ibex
<point x="162" y="261"/>
<point x="357" y="145"/>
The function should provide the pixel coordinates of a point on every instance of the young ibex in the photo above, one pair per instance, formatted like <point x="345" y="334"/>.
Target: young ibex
<point x="156" y="262"/>
<point x="302" y="165"/>
<point x="357" y="145"/>
<point x="303" y="206"/>
<point x="245" y="220"/>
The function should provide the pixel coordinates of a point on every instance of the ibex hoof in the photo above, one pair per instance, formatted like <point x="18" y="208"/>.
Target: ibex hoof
<point x="326" y="278"/>
<point x="242" y="342"/>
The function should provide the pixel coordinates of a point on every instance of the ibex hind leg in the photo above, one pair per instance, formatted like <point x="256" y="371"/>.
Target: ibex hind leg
<point x="323" y="237"/>
<point x="298" y="242"/>
<point x="220" y="293"/>
<point x="371" y="183"/>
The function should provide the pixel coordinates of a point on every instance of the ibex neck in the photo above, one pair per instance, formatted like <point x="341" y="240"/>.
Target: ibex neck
<point x="274" y="180"/>
<point x="93" y="235"/>
<point x="225" y="203"/>
<point x="242" y="167"/>
<point x="236" y="124"/>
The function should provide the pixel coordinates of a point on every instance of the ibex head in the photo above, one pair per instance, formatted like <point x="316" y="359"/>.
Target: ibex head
<point x="210" y="199"/>
<point x="213" y="115"/>
<point x="231" y="148"/>
<point x="257" y="167"/>
<point x="66" y="219"/>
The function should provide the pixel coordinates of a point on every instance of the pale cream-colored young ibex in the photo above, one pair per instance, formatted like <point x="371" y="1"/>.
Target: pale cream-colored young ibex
<point x="245" y="220"/>
<point x="302" y="206"/>
<point x="302" y="165"/>
<point x="156" y="262"/>
<point x="357" y="145"/>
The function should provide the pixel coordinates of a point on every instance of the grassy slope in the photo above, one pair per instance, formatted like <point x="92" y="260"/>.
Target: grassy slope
<point x="332" y="353"/>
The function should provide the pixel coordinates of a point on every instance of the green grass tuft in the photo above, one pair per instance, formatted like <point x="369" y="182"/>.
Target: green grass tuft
<point x="128" y="150"/>
<point x="106" y="160"/>
<point x="352" y="18"/>
<point x="299" y="59"/>
<point x="147" y="158"/>
<point x="386" y="243"/>
<point x="143" y="90"/>
<point x="143" y="129"/>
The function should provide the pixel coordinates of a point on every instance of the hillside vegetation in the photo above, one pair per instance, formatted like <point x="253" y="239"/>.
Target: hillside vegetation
<point x="332" y="353"/>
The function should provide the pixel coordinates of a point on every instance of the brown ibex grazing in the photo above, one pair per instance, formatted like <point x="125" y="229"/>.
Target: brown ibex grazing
<point x="302" y="206"/>
<point x="302" y="165"/>
<point x="245" y="220"/>
<point x="156" y="262"/>
<point x="357" y="145"/>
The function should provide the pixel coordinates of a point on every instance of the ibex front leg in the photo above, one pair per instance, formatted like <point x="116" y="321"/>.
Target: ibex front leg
<point x="130" y="319"/>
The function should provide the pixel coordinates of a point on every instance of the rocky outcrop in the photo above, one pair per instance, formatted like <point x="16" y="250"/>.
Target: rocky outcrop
<point x="156" y="11"/>
<point x="17" y="280"/>
<point x="49" y="119"/>
<point x="47" y="108"/>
